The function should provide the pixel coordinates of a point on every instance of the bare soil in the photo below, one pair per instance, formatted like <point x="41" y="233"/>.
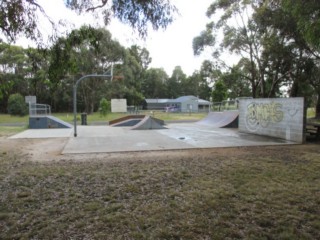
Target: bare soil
<point x="49" y="150"/>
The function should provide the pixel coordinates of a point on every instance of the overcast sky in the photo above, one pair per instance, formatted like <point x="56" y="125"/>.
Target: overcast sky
<point x="173" y="46"/>
<point x="168" y="48"/>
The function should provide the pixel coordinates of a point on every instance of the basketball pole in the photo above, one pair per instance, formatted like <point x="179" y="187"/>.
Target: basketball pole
<point x="75" y="86"/>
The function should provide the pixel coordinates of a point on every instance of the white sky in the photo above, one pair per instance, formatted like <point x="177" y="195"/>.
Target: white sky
<point x="168" y="48"/>
<point x="173" y="46"/>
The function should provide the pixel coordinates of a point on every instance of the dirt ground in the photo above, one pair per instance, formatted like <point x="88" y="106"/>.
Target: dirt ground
<point x="49" y="150"/>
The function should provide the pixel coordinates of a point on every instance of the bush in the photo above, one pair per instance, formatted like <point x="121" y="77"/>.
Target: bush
<point x="104" y="107"/>
<point x="17" y="105"/>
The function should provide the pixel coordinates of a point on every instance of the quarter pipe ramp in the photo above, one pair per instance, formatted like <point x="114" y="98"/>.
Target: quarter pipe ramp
<point x="226" y="119"/>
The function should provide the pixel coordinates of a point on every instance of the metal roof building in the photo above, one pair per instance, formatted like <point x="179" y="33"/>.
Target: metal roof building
<point x="181" y="104"/>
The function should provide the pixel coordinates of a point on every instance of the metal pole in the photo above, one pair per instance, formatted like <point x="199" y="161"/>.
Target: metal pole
<point x="75" y="98"/>
<point x="75" y="110"/>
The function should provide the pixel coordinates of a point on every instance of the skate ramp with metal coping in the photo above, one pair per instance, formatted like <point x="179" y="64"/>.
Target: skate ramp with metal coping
<point x="226" y="119"/>
<point x="149" y="122"/>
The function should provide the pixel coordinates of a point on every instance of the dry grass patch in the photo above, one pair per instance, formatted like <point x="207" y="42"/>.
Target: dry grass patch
<point x="252" y="193"/>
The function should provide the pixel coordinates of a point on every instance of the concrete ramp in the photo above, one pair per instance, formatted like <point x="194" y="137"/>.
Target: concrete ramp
<point x="127" y="122"/>
<point x="43" y="122"/>
<point x="149" y="122"/>
<point x="128" y="118"/>
<point x="226" y="119"/>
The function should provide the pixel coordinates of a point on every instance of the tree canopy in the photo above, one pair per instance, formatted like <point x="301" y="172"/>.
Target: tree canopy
<point x="19" y="18"/>
<point x="276" y="43"/>
<point x="50" y="73"/>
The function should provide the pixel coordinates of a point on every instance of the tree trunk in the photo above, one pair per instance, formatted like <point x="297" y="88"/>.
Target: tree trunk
<point x="294" y="89"/>
<point x="254" y="89"/>
<point x="318" y="107"/>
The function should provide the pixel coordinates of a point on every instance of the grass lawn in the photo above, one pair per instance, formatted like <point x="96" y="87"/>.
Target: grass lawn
<point x="243" y="193"/>
<point x="95" y="117"/>
<point x="7" y="118"/>
<point x="8" y="131"/>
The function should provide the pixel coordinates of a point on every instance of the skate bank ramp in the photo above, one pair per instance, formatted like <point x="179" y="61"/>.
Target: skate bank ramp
<point x="149" y="122"/>
<point x="126" y="121"/>
<point x="43" y="122"/>
<point x="138" y="122"/>
<point x="226" y="119"/>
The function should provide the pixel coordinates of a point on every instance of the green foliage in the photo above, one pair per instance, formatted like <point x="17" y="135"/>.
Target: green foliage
<point x="22" y="17"/>
<point x="237" y="85"/>
<point x="17" y="105"/>
<point x="104" y="107"/>
<point x="154" y="83"/>
<point x="306" y="15"/>
<point x="275" y="41"/>
<point x="219" y="92"/>
<point x="23" y="71"/>
<point x="205" y="39"/>
<point x="19" y="17"/>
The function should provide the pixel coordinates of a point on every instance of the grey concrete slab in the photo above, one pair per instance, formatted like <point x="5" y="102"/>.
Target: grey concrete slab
<point x="120" y="139"/>
<point x="207" y="137"/>
<point x="176" y="136"/>
<point x="106" y="139"/>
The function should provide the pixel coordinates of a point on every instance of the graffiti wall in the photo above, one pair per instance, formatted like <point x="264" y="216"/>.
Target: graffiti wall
<point x="275" y="117"/>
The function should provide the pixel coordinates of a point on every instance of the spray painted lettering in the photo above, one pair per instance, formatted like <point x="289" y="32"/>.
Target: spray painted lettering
<point x="261" y="114"/>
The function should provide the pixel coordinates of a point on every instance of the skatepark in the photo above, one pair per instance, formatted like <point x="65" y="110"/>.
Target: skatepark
<point x="216" y="130"/>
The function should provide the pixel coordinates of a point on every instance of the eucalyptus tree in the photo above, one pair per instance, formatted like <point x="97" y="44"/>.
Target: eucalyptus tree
<point x="23" y="71"/>
<point x="13" y="62"/>
<point x="306" y="15"/>
<point x="240" y="37"/>
<point x="141" y="59"/>
<point x="298" y="22"/>
<point x="128" y="79"/>
<point x="37" y="73"/>
<point x="210" y="71"/>
<point x="269" y="59"/>
<point x="315" y="83"/>
<point x="219" y="91"/>
<point x="175" y="82"/>
<point x="21" y="18"/>
<point x="197" y="85"/>
<point x="232" y="78"/>
<point x="154" y="83"/>
<point x="235" y="82"/>
<point x="84" y="51"/>
<point x="142" y="55"/>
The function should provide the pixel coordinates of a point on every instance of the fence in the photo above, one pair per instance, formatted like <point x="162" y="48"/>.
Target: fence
<point x="227" y="105"/>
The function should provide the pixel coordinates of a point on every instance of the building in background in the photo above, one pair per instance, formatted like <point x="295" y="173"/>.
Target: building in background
<point x="181" y="104"/>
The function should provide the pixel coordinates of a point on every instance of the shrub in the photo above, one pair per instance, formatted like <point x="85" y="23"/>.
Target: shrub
<point x="104" y="107"/>
<point x="17" y="105"/>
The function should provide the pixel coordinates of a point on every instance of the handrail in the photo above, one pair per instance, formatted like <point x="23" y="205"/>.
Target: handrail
<point x="36" y="109"/>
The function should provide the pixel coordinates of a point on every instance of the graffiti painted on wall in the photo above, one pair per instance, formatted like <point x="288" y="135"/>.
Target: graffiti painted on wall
<point x="260" y="115"/>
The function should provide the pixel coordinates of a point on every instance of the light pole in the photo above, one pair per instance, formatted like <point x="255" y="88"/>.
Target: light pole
<point x="75" y="96"/>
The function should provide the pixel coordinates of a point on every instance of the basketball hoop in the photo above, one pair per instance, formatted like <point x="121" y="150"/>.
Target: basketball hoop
<point x="119" y="77"/>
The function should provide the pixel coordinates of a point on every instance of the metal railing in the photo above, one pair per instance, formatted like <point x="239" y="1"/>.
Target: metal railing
<point x="36" y="109"/>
